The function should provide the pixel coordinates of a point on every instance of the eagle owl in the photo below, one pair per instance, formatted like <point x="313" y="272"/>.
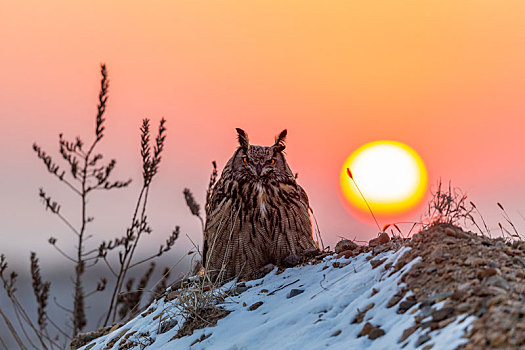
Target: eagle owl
<point x="257" y="213"/>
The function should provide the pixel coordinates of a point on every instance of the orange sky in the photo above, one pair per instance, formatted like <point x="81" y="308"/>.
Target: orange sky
<point x="444" y="77"/>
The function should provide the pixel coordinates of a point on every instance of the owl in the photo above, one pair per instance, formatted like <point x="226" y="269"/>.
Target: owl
<point x="257" y="214"/>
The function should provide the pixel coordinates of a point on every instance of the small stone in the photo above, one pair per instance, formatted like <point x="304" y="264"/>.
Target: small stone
<point x="374" y="292"/>
<point x="369" y="306"/>
<point x="366" y="329"/>
<point x="376" y="263"/>
<point x="497" y="281"/>
<point x="310" y="253"/>
<point x="407" y="333"/>
<point x="422" y="339"/>
<point x="425" y="311"/>
<point x="348" y="254"/>
<point x="443" y="313"/>
<point x="336" y="333"/>
<point x="493" y="264"/>
<point x="497" y="339"/>
<point x="444" y="323"/>
<point x="450" y="232"/>
<point x="239" y="289"/>
<point x="376" y="333"/>
<point x="463" y="308"/>
<point x="344" y="245"/>
<point x="255" y="306"/>
<point x="393" y="301"/>
<point x="405" y="305"/>
<point x="291" y="260"/>
<point x="294" y="292"/>
<point x="382" y="239"/>
<point x="498" y="299"/>
<point x="381" y="248"/>
<point x="482" y="274"/>
<point x="266" y="269"/>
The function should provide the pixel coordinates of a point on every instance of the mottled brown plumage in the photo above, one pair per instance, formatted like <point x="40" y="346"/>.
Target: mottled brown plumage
<point x="257" y="213"/>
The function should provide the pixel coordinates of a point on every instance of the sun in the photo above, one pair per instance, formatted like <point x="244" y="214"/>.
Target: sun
<point x="390" y="174"/>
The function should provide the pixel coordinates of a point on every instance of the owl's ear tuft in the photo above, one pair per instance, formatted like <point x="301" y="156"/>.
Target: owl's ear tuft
<point x="279" y="145"/>
<point x="243" y="138"/>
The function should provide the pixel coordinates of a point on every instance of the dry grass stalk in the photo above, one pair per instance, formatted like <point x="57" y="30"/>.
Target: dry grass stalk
<point x="84" y="173"/>
<point x="151" y="159"/>
<point x="192" y="204"/>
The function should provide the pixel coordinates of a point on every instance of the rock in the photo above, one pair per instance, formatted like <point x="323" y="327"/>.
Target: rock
<point x="381" y="248"/>
<point x="366" y="329"/>
<point x="437" y="255"/>
<point x="266" y="269"/>
<point x="393" y="301"/>
<point x="444" y="323"/>
<point x="239" y="289"/>
<point x="497" y="339"/>
<point x="347" y="254"/>
<point x="425" y="311"/>
<point x="443" y="313"/>
<point x="291" y="260"/>
<point x="497" y="281"/>
<point x="376" y="263"/>
<point x="405" y="305"/>
<point x="361" y="314"/>
<point x="482" y="274"/>
<point x="382" y="239"/>
<point x="463" y="307"/>
<point x="345" y="244"/>
<point x="450" y="232"/>
<point x="373" y="332"/>
<point x="407" y="333"/>
<point x="310" y="253"/>
<point x="376" y="333"/>
<point x="336" y="333"/>
<point x="498" y="299"/>
<point x="255" y="306"/>
<point x="493" y="264"/>
<point x="294" y="292"/>
<point x="422" y="340"/>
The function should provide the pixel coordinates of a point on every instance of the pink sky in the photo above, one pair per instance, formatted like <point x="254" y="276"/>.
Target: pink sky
<point x="445" y="77"/>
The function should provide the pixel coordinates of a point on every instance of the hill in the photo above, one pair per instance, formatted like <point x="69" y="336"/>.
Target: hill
<point x="442" y="289"/>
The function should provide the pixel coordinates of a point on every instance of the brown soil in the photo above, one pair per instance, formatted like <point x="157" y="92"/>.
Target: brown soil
<point x="475" y="276"/>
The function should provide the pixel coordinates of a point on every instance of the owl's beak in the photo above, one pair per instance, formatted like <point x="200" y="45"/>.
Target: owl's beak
<point x="259" y="169"/>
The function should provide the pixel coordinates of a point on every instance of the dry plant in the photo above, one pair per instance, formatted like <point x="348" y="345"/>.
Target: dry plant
<point x="85" y="175"/>
<point x="196" y="301"/>
<point x="447" y="205"/>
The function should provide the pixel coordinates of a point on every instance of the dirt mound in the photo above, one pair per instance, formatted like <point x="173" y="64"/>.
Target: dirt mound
<point x="473" y="275"/>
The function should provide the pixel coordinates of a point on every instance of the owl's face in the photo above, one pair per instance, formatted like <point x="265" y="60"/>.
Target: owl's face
<point x="260" y="163"/>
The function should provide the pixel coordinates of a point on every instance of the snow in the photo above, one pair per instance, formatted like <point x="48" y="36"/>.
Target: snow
<point x="331" y="299"/>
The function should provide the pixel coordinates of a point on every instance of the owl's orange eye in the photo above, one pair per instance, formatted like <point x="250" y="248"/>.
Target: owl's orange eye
<point x="271" y="162"/>
<point x="245" y="159"/>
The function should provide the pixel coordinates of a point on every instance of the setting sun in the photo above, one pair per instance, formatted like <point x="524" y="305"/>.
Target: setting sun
<point x="391" y="176"/>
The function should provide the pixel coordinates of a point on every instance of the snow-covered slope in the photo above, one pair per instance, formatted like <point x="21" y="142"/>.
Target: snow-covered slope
<point x="321" y="316"/>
